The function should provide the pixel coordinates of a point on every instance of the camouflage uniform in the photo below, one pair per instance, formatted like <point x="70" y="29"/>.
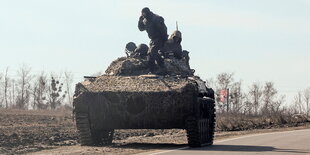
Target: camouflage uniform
<point x="185" y="57"/>
<point x="130" y="48"/>
<point x="157" y="31"/>
<point x="141" y="51"/>
<point x="173" y="46"/>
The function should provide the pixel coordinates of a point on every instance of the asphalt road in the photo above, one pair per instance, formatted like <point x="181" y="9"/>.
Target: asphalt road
<point x="278" y="143"/>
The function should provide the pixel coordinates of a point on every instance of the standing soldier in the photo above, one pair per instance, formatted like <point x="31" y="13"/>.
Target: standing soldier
<point x="157" y="32"/>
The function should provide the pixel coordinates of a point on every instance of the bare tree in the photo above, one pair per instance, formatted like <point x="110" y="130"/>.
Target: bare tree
<point x="298" y="103"/>
<point x="13" y="93"/>
<point x="6" y="87"/>
<point x="39" y="92"/>
<point x="68" y="84"/>
<point x="24" y="79"/>
<point x="224" y="80"/>
<point x="269" y="94"/>
<point x="248" y="106"/>
<point x="255" y="95"/>
<point x="306" y="98"/>
<point x="276" y="106"/>
<point x="210" y="83"/>
<point x="236" y="97"/>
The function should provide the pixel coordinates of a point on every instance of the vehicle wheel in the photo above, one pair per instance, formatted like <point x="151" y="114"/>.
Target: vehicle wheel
<point x="200" y="129"/>
<point x="89" y="136"/>
<point x="211" y="118"/>
<point x="107" y="137"/>
<point x="83" y="127"/>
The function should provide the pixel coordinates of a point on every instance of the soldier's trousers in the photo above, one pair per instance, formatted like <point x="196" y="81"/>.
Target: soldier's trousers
<point x="153" y="55"/>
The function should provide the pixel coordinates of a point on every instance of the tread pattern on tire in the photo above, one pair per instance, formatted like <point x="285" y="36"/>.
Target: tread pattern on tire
<point x="91" y="137"/>
<point x="83" y="126"/>
<point x="212" y="116"/>
<point x="193" y="136"/>
<point x="200" y="131"/>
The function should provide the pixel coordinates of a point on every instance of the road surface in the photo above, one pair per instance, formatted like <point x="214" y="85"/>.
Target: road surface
<point x="278" y="143"/>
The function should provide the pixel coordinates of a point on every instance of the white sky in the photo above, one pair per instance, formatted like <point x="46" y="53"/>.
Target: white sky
<point x="258" y="40"/>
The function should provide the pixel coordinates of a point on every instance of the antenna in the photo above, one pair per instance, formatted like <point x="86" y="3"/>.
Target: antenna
<point x="176" y="23"/>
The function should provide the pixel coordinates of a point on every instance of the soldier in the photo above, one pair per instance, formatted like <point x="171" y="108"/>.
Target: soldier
<point x="185" y="56"/>
<point x="130" y="48"/>
<point x="173" y="46"/>
<point x="157" y="32"/>
<point x="141" y="51"/>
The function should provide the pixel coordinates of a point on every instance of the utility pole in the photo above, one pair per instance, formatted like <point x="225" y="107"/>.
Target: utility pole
<point x="227" y="99"/>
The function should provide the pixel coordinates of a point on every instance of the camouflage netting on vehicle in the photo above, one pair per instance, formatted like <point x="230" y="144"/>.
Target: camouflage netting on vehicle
<point x="136" y="101"/>
<point x="127" y="66"/>
<point x="133" y="66"/>
<point x="177" y="67"/>
<point x="145" y="83"/>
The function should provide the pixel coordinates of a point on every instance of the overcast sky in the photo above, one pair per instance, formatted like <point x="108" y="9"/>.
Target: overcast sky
<point x="258" y="40"/>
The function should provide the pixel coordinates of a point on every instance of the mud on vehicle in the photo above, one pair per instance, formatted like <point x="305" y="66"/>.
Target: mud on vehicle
<point x="108" y="102"/>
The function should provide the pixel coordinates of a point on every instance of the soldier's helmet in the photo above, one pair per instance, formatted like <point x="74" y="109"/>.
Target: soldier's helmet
<point x="130" y="47"/>
<point x="142" y="50"/>
<point x="176" y="36"/>
<point x="146" y="12"/>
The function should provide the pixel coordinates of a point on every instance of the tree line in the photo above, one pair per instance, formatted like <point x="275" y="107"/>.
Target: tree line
<point x="259" y="99"/>
<point x="50" y="91"/>
<point x="29" y="91"/>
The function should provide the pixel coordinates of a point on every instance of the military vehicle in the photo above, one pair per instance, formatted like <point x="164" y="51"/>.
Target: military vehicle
<point x="127" y="97"/>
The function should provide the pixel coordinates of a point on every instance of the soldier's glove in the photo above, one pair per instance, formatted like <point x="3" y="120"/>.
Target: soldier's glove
<point x="141" y="18"/>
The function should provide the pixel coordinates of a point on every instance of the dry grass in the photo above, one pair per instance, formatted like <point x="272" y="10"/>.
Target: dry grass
<point x="28" y="130"/>
<point x="24" y="131"/>
<point x="239" y="122"/>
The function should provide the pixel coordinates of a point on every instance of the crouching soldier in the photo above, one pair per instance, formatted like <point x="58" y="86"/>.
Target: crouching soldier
<point x="173" y="48"/>
<point x="130" y="48"/>
<point x="141" y="51"/>
<point x="133" y="51"/>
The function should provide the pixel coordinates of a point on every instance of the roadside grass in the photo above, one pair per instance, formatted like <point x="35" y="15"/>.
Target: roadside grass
<point x="240" y="122"/>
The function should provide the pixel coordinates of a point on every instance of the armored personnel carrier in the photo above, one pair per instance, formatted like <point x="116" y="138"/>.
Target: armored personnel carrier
<point x="127" y="97"/>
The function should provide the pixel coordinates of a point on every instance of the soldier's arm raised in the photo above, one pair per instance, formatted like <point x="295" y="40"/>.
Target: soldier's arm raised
<point x="141" y="25"/>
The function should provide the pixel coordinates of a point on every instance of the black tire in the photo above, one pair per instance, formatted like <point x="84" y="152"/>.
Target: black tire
<point x="83" y="127"/>
<point x="91" y="137"/>
<point x="211" y="117"/>
<point x="105" y="137"/>
<point x="200" y="129"/>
